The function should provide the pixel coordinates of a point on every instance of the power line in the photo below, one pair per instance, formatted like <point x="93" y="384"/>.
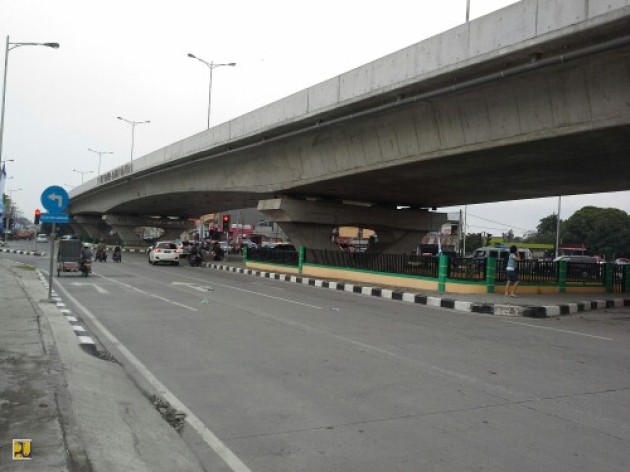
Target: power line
<point x="498" y="222"/>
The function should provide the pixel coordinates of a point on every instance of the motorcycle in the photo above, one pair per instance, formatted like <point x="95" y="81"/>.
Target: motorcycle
<point x="101" y="255"/>
<point x="195" y="260"/>
<point x="86" y="267"/>
<point x="117" y="255"/>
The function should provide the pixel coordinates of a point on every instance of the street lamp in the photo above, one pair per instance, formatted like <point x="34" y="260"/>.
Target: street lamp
<point x="82" y="172"/>
<point x="100" y="154"/>
<point x="133" y="130"/>
<point x="9" y="47"/>
<point x="9" y="215"/>
<point x="211" y="67"/>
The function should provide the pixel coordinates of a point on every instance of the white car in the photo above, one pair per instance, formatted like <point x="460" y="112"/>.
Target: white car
<point x="42" y="238"/>
<point x="164" y="251"/>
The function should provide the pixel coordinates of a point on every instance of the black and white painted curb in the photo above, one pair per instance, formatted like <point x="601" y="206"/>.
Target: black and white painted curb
<point x="85" y="340"/>
<point x="19" y="251"/>
<point x="433" y="301"/>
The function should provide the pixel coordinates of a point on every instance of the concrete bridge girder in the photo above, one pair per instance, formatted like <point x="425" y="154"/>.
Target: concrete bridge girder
<point x="554" y="120"/>
<point x="310" y="223"/>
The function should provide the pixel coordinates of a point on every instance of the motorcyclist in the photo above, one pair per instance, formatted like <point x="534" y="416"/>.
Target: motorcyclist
<point x="117" y="254"/>
<point x="194" y="258"/>
<point x="86" y="253"/>
<point x="86" y="256"/>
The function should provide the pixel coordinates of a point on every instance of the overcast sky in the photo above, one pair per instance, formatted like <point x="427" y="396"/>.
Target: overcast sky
<point x="129" y="58"/>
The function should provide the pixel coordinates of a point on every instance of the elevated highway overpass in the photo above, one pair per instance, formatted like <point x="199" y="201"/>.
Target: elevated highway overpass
<point x="530" y="101"/>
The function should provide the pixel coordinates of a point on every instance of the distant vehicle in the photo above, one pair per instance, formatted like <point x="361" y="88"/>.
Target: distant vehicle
<point x="283" y="247"/>
<point x="183" y="247"/>
<point x="42" y="238"/>
<point x="164" y="251"/>
<point x="622" y="261"/>
<point x="584" y="259"/>
<point x="502" y="252"/>
<point x="67" y="237"/>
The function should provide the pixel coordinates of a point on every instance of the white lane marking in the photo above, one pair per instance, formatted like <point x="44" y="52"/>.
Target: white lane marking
<point x="577" y="333"/>
<point x="496" y="318"/>
<point x="149" y="294"/>
<point x="253" y="292"/>
<point x="214" y="284"/>
<point x="98" y="288"/>
<point x="208" y="436"/>
<point x="200" y="288"/>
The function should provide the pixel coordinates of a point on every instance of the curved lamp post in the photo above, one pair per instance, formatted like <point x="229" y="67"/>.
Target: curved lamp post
<point x="133" y="130"/>
<point x="9" y="47"/>
<point x="100" y="154"/>
<point x="211" y="66"/>
<point x="82" y="172"/>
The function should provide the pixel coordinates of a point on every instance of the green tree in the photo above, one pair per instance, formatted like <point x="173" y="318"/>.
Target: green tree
<point x="546" y="230"/>
<point x="603" y="230"/>
<point x="473" y="241"/>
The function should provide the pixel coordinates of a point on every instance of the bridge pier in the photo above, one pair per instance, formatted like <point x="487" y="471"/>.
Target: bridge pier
<point x="310" y="223"/>
<point x="129" y="227"/>
<point x="91" y="225"/>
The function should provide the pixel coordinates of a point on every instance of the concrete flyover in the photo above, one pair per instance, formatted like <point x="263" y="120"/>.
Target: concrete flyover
<point x="530" y="101"/>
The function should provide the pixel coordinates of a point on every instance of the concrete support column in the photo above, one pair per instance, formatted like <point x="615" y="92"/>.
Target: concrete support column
<point x="310" y="223"/>
<point x="78" y="230"/>
<point x="129" y="227"/>
<point x="91" y="225"/>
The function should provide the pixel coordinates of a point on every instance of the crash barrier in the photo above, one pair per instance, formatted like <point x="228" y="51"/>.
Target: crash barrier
<point x="444" y="273"/>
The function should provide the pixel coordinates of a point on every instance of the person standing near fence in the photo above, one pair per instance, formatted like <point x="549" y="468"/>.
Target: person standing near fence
<point x="511" y="272"/>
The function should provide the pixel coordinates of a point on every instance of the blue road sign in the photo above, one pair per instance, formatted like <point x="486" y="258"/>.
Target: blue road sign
<point x="55" y="218"/>
<point x="55" y="199"/>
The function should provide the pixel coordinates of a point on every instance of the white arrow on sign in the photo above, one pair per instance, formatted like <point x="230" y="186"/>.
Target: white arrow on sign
<point x="59" y="198"/>
<point x="98" y="288"/>
<point x="200" y="288"/>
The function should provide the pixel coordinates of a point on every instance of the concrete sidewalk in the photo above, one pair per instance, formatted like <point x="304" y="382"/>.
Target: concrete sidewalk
<point x="531" y="305"/>
<point x="82" y="412"/>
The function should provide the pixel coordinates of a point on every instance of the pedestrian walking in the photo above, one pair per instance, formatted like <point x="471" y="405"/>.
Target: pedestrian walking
<point x="511" y="272"/>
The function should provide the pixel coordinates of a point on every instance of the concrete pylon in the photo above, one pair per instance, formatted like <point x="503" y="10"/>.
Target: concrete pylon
<point x="92" y="225"/>
<point x="128" y="227"/>
<point x="311" y="223"/>
<point x="79" y="230"/>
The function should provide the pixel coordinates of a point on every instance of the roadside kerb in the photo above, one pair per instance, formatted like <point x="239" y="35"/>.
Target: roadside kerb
<point x="499" y="309"/>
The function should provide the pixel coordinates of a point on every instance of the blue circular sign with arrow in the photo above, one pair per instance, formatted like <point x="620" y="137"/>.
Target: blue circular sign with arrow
<point x="55" y="199"/>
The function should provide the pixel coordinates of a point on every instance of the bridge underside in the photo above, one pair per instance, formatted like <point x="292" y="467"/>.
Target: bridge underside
<point x="584" y="163"/>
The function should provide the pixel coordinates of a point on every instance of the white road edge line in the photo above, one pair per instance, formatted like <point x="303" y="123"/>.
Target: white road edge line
<point x="208" y="436"/>
<point x="577" y="333"/>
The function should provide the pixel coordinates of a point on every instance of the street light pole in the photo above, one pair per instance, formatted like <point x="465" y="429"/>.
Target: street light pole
<point x="133" y="131"/>
<point x="211" y="66"/>
<point x="100" y="154"/>
<point x="8" y="215"/>
<point x="82" y="172"/>
<point x="9" y="47"/>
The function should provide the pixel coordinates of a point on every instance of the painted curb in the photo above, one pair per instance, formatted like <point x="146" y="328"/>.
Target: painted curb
<point x="85" y="340"/>
<point x="499" y="309"/>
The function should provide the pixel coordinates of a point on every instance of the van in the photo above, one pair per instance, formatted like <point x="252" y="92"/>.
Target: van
<point x="500" y="252"/>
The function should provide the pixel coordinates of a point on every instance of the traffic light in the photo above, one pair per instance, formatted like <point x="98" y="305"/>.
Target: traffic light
<point x="226" y="223"/>
<point x="37" y="215"/>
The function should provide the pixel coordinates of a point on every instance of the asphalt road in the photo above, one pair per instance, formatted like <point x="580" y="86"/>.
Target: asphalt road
<point x="294" y="378"/>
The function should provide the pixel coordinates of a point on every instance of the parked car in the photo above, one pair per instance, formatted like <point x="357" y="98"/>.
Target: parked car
<point x="68" y="237"/>
<point x="622" y="261"/>
<point x="576" y="258"/>
<point x="284" y="247"/>
<point x="164" y="251"/>
<point x="42" y="238"/>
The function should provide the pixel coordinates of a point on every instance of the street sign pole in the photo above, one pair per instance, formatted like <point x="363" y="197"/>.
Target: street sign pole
<point x="52" y="254"/>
